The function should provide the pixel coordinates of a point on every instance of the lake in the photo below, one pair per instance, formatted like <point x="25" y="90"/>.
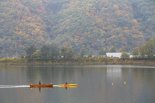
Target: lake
<point x="97" y="84"/>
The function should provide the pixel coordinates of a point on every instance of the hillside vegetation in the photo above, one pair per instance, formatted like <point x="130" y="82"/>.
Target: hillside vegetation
<point x="86" y="26"/>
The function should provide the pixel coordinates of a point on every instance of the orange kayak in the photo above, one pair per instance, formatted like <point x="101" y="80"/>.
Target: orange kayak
<point x="41" y="85"/>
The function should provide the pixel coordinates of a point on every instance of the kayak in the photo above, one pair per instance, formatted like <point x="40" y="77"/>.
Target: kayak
<point x="68" y="85"/>
<point x="41" y="85"/>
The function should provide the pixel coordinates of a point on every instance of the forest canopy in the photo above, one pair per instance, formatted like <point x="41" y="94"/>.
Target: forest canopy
<point x="85" y="26"/>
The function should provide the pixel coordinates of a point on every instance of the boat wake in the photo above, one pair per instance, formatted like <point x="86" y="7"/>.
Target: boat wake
<point x="14" y="86"/>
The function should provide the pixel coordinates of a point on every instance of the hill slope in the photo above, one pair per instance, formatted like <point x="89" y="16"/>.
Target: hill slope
<point x="85" y="25"/>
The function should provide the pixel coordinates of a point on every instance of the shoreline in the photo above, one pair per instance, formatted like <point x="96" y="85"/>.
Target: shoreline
<point x="19" y="61"/>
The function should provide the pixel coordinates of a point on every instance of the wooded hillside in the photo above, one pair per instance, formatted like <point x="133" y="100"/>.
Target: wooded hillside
<point x="86" y="26"/>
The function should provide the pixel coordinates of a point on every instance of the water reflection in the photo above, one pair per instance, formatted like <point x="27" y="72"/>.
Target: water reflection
<point x="143" y="82"/>
<point x="114" y="73"/>
<point x="117" y="85"/>
<point x="49" y="74"/>
<point x="97" y="84"/>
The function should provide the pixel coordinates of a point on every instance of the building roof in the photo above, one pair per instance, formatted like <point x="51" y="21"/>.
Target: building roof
<point x="117" y="54"/>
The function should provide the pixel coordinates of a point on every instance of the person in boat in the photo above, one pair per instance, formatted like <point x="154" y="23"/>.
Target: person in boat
<point x="39" y="82"/>
<point x="66" y="85"/>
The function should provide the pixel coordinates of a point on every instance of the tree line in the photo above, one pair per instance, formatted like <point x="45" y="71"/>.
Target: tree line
<point x="49" y="52"/>
<point x="53" y="52"/>
<point x="146" y="50"/>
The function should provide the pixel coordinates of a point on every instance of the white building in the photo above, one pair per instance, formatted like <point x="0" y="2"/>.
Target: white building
<point x="114" y="55"/>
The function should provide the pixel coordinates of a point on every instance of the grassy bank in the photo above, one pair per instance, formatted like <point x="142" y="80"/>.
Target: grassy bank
<point x="95" y="61"/>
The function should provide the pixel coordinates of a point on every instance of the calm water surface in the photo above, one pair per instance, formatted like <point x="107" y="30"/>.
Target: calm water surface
<point x="98" y="84"/>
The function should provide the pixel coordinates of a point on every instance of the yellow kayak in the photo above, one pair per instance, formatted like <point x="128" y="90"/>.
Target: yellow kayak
<point x="66" y="85"/>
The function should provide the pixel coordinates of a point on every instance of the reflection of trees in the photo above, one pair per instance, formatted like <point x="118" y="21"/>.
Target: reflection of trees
<point x="144" y="75"/>
<point x="33" y="73"/>
<point x="143" y="84"/>
<point x="52" y="74"/>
